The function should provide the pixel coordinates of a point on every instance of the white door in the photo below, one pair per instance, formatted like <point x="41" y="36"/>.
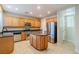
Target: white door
<point x="69" y="30"/>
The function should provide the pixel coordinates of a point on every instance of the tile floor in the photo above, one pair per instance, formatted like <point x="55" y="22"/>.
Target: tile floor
<point x="23" y="47"/>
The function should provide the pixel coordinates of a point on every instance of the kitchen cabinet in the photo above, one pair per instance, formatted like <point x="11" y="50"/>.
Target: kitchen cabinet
<point x="11" y="21"/>
<point x="53" y="19"/>
<point x="37" y="23"/>
<point x="17" y="21"/>
<point x="23" y="36"/>
<point x="40" y="42"/>
<point x="6" y="44"/>
<point x="33" y="22"/>
<point x="7" y="21"/>
<point x="21" y="22"/>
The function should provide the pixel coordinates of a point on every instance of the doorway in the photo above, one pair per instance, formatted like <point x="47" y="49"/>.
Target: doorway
<point x="69" y="28"/>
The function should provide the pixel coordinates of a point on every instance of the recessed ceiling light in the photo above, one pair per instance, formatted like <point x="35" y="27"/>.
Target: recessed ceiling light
<point x="30" y="12"/>
<point x="48" y="12"/>
<point x="16" y="8"/>
<point x="38" y="7"/>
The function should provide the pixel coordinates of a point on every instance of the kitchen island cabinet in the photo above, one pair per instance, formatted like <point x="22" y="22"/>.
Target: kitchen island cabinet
<point x="40" y="42"/>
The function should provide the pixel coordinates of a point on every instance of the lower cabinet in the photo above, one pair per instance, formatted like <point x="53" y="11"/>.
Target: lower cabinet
<point x="6" y="44"/>
<point x="40" y="42"/>
<point x="20" y="37"/>
<point x="23" y="35"/>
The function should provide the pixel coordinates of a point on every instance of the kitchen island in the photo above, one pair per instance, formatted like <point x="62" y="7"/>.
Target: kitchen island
<point x="39" y="41"/>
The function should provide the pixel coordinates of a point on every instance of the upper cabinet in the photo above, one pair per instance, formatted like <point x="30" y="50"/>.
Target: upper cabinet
<point x="34" y="22"/>
<point x="37" y="23"/>
<point x="11" y="21"/>
<point x="21" y="21"/>
<point x="7" y="21"/>
<point x="17" y="21"/>
<point x="53" y="19"/>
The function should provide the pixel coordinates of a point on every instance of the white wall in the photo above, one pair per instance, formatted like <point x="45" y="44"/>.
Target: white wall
<point x="59" y="30"/>
<point x="64" y="32"/>
<point x="77" y="29"/>
<point x="43" y="25"/>
<point x="76" y="40"/>
<point x="1" y="19"/>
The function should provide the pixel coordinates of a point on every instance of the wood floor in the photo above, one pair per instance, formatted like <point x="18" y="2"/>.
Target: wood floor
<point x="24" y="47"/>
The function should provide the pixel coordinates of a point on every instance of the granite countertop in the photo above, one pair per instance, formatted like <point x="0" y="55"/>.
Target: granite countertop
<point x="18" y="29"/>
<point x="6" y="34"/>
<point x="13" y="31"/>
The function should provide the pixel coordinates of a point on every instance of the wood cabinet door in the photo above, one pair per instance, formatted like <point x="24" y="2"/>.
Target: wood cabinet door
<point x="32" y="23"/>
<point x="23" y="35"/>
<point x="54" y="19"/>
<point x="15" y="22"/>
<point x="46" y="42"/>
<point x="34" y="41"/>
<point x="6" y="45"/>
<point x="11" y="21"/>
<point x="37" y="23"/>
<point x="42" y="42"/>
<point x="38" y="42"/>
<point x="7" y="21"/>
<point x="21" y="22"/>
<point x="31" y="39"/>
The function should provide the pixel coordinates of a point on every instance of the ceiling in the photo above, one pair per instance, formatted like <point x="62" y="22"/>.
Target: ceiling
<point x="34" y="10"/>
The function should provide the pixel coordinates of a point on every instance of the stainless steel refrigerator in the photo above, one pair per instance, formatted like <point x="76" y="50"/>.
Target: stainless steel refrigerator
<point x="52" y="31"/>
